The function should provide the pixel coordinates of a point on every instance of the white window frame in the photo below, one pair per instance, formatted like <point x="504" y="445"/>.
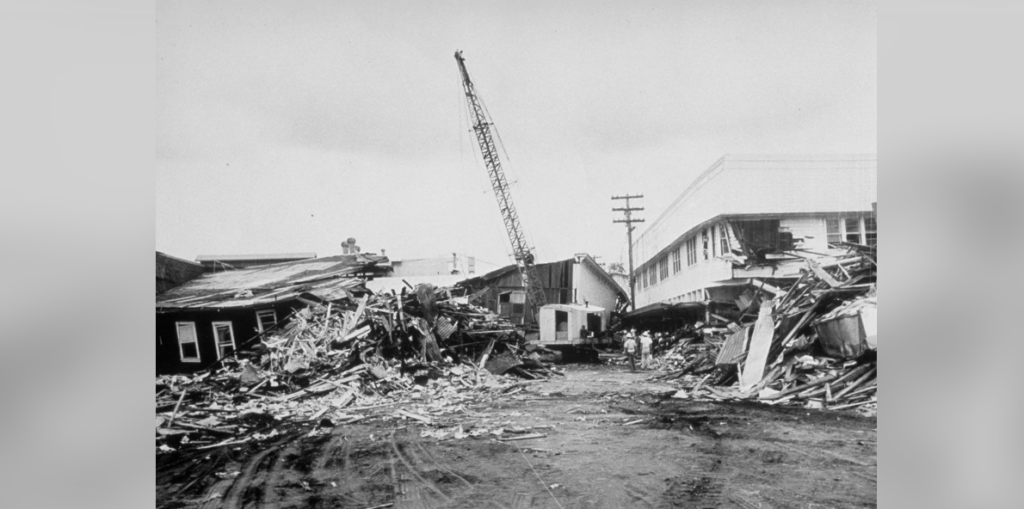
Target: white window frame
<point x="691" y="251"/>
<point x="195" y="340"/>
<point x="259" y="318"/>
<point x="216" y="340"/>
<point x="843" y="232"/>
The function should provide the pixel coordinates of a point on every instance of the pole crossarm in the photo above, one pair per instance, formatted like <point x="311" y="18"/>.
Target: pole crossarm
<point x="629" y="220"/>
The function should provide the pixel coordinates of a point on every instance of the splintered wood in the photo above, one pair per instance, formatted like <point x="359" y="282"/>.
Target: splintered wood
<point x="418" y="350"/>
<point x="813" y="341"/>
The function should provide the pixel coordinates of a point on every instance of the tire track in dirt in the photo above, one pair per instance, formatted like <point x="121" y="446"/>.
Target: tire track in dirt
<point x="638" y="495"/>
<point x="246" y="487"/>
<point x="433" y="459"/>
<point x="416" y="496"/>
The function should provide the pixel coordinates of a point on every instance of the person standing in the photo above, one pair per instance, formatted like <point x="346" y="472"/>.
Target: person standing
<point x="630" y="348"/>
<point x="645" y="350"/>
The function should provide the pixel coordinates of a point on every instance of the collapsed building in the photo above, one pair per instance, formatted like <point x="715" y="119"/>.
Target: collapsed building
<point x="748" y="221"/>
<point x="213" y="316"/>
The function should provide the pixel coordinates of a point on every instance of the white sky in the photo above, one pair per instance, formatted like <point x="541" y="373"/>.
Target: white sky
<point x="291" y="126"/>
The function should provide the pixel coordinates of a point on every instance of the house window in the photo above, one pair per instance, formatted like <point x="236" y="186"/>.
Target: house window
<point x="832" y="229"/>
<point x="724" y="238"/>
<point x="225" y="337"/>
<point x="705" y="243"/>
<point x="676" y="261"/>
<point x="853" y="230"/>
<point x="871" y="231"/>
<point x="266" y="320"/>
<point x="663" y="268"/>
<point x="187" y="342"/>
<point x="691" y="251"/>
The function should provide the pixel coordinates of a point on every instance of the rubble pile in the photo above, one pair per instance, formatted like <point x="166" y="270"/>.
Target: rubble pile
<point x="415" y="355"/>
<point x="813" y="343"/>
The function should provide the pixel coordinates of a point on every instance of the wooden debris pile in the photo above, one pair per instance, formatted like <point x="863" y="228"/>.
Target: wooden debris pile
<point x="813" y="342"/>
<point x="346" y="361"/>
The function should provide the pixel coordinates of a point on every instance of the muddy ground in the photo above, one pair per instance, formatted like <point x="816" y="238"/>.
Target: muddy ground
<point x="682" y="454"/>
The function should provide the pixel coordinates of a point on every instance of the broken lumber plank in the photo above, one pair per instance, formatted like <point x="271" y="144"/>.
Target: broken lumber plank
<point x="822" y="275"/>
<point x="851" y="405"/>
<point x="854" y="385"/>
<point x="417" y="417"/>
<point x="767" y="287"/>
<point x="226" y="442"/>
<point x="176" y="407"/>
<point x="802" y="388"/>
<point x="760" y="343"/>
<point x="528" y="436"/>
<point x="862" y="390"/>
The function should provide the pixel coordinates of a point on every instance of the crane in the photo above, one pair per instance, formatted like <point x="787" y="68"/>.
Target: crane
<point x="535" y="297"/>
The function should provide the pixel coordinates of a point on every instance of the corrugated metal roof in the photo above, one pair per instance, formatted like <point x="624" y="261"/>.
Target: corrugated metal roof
<point x="244" y="257"/>
<point x="327" y="278"/>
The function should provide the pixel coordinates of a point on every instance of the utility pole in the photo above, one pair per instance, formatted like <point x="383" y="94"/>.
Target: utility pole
<point x="629" y="220"/>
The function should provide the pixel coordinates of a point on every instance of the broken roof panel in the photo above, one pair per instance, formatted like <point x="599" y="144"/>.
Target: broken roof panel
<point x="327" y="278"/>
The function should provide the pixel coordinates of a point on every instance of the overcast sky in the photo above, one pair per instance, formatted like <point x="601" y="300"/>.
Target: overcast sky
<point x="291" y="126"/>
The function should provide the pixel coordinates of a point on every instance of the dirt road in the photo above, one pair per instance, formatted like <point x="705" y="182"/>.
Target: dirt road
<point x="594" y="455"/>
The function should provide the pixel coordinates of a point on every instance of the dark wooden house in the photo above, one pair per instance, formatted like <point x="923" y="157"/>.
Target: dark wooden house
<point x="216" y="315"/>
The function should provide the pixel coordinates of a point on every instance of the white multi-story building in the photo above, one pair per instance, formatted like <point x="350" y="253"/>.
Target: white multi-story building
<point x="753" y="207"/>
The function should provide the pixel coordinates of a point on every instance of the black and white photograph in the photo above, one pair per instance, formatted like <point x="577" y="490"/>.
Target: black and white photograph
<point x="516" y="254"/>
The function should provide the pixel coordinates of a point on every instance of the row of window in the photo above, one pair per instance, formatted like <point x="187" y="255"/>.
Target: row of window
<point x="856" y="230"/>
<point x="711" y="240"/>
<point x="223" y="333"/>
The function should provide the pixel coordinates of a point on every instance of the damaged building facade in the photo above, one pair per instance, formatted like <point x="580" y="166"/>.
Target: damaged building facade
<point x="751" y="220"/>
<point x="216" y="315"/>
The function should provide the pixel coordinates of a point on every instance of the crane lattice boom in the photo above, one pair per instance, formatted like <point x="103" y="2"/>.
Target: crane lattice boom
<point x="535" y="297"/>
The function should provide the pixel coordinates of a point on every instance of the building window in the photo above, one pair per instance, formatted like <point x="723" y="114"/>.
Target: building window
<point x="691" y="251"/>
<point x="511" y="303"/>
<point x="187" y="343"/>
<point x="518" y="303"/>
<point x="724" y="238"/>
<point x="853" y="230"/>
<point x="705" y="243"/>
<point x="225" y="337"/>
<point x="265" y="320"/>
<point x="871" y="231"/>
<point x="677" y="264"/>
<point x="663" y="268"/>
<point x="832" y="229"/>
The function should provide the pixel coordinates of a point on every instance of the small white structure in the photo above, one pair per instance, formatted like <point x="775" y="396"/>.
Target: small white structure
<point x="562" y="324"/>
